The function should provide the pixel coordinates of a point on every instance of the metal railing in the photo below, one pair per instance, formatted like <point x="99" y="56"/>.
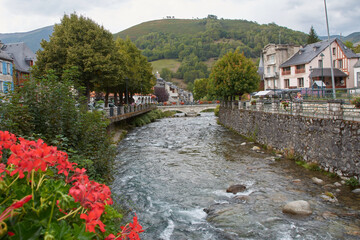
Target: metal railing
<point x="330" y="109"/>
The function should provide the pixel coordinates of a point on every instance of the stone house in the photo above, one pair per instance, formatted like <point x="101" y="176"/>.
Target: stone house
<point x="273" y="55"/>
<point x="313" y="63"/>
<point x="23" y="58"/>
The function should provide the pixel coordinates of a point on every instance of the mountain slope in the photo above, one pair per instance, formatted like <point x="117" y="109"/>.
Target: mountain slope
<point x="32" y="38"/>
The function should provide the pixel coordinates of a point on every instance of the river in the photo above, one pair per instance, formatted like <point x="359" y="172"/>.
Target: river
<point x="169" y="171"/>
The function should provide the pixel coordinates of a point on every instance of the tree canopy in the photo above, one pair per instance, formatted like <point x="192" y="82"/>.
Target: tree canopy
<point x="234" y="74"/>
<point x="313" y="37"/>
<point x="101" y="63"/>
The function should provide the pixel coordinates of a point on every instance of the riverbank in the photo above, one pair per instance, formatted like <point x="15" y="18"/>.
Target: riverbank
<point x="332" y="144"/>
<point x="119" y="130"/>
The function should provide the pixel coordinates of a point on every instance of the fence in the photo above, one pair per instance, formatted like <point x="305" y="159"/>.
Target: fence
<point x="333" y="109"/>
<point x="122" y="110"/>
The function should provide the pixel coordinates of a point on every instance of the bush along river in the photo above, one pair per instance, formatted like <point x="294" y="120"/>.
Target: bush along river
<point x="174" y="174"/>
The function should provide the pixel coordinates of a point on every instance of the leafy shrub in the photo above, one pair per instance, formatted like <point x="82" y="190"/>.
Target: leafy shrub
<point x="356" y="102"/>
<point x="57" y="200"/>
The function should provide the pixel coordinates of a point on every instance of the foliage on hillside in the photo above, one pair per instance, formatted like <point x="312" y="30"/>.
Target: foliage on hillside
<point x="196" y="41"/>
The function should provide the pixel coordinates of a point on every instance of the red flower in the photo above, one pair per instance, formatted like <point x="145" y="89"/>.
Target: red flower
<point x="93" y="219"/>
<point x="6" y="213"/>
<point x="129" y="232"/>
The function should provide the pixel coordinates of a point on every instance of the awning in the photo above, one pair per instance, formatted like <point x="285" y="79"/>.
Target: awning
<point x="319" y="84"/>
<point x="326" y="72"/>
<point x="264" y="93"/>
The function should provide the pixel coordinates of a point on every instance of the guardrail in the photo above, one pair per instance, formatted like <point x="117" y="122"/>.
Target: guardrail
<point x="334" y="109"/>
<point x="118" y="113"/>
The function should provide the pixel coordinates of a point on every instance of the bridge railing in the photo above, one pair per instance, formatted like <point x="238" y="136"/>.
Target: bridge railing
<point x="122" y="110"/>
<point x="187" y="103"/>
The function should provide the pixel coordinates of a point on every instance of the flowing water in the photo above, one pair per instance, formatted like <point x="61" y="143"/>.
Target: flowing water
<point x="169" y="171"/>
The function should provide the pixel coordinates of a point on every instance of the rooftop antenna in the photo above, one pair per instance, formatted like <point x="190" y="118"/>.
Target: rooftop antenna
<point x="279" y="37"/>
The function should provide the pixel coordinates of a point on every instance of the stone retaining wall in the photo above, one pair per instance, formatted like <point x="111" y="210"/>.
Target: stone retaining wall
<point x="333" y="144"/>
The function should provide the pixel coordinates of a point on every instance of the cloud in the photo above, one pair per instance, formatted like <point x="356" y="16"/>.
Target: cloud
<point x="117" y="15"/>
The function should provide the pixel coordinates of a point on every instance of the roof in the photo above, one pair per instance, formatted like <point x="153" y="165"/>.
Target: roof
<point x="319" y="83"/>
<point x="326" y="72"/>
<point x="310" y="51"/>
<point x="5" y="56"/>
<point x="21" y="54"/>
<point x="357" y="65"/>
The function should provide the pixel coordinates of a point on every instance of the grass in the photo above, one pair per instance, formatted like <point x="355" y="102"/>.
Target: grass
<point x="171" y="64"/>
<point x="352" y="182"/>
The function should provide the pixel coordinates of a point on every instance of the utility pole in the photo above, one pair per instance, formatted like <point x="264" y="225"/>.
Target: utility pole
<point x="331" y="61"/>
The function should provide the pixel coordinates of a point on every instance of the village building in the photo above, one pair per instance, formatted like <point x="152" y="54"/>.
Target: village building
<point x="312" y="63"/>
<point x="6" y="73"/>
<point x="23" y="58"/>
<point x="273" y="55"/>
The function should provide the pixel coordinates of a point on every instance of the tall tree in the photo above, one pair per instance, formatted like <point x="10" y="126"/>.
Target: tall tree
<point x="312" y="37"/>
<point x="234" y="74"/>
<point x="78" y="41"/>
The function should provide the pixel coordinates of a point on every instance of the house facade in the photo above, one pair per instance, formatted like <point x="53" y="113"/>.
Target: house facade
<point x="22" y="57"/>
<point x="313" y="63"/>
<point x="357" y="74"/>
<point x="6" y="73"/>
<point x="273" y="55"/>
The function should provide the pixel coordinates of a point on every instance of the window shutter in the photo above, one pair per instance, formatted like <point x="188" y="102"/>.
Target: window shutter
<point x="5" y="87"/>
<point x="4" y="68"/>
<point x="11" y="69"/>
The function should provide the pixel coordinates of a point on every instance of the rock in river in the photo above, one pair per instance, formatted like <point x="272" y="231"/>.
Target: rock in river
<point x="300" y="207"/>
<point x="317" y="181"/>
<point x="236" y="188"/>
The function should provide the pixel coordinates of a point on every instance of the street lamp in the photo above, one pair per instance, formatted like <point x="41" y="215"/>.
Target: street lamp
<point x="322" y="74"/>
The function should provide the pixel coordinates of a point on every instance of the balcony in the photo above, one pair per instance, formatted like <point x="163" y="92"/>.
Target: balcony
<point x="286" y="72"/>
<point x="301" y="70"/>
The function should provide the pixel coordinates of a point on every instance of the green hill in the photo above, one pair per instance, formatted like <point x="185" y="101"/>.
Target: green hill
<point x="195" y="42"/>
<point x="32" y="38"/>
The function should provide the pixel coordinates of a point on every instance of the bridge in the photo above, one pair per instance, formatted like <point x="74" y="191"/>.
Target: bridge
<point x="188" y="109"/>
<point x="119" y="113"/>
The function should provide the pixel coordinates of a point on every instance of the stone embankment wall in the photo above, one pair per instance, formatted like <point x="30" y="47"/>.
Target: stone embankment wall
<point x="334" y="144"/>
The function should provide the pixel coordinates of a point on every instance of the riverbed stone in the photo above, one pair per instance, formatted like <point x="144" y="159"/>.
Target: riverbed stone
<point x="244" y="143"/>
<point x="327" y="198"/>
<point x="317" y="181"/>
<point x="357" y="191"/>
<point x="236" y="188"/>
<point x="255" y="148"/>
<point x="299" y="207"/>
<point x="337" y="184"/>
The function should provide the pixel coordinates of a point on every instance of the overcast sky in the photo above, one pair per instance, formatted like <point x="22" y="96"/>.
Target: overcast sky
<point x="117" y="15"/>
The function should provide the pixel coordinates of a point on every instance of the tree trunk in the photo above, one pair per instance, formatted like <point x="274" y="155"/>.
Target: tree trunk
<point x="115" y="98"/>
<point x="107" y="98"/>
<point x="121" y="98"/>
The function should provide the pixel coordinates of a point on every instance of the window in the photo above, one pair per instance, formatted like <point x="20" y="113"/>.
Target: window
<point x="274" y="69"/>
<point x="334" y="63"/>
<point x="286" y="71"/>
<point x="300" y="82"/>
<point x="268" y="70"/>
<point x="8" y="68"/>
<point x="358" y="79"/>
<point x="300" y="68"/>
<point x="320" y="64"/>
<point x="286" y="83"/>
<point x="334" y="51"/>
<point x="271" y="59"/>
<point x="340" y="63"/>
